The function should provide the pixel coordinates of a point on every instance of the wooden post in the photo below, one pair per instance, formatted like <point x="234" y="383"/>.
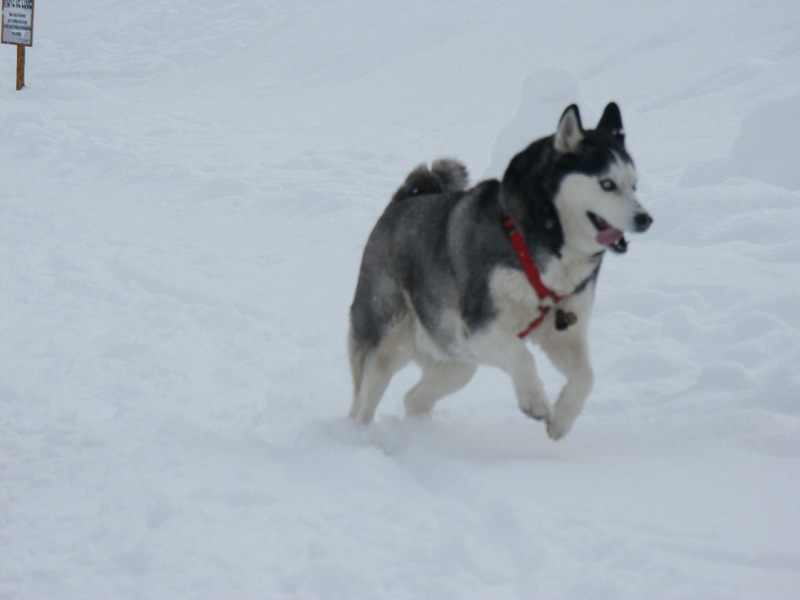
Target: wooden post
<point x="20" y="66"/>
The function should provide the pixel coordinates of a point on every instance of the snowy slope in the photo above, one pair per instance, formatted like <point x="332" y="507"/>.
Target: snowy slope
<point x="187" y="188"/>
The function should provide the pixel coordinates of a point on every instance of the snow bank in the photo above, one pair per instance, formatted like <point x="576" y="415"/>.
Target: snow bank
<point x="766" y="149"/>
<point x="545" y="95"/>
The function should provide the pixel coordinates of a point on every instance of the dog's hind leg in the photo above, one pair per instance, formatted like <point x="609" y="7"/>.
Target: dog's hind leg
<point x="358" y="356"/>
<point x="439" y="379"/>
<point x="373" y="369"/>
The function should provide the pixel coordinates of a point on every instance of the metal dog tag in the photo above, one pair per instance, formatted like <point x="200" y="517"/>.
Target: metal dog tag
<point x="564" y="319"/>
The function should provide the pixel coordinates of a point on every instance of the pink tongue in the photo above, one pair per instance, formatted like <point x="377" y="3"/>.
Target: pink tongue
<point x="608" y="236"/>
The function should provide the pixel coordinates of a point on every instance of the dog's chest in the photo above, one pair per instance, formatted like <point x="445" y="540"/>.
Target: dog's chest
<point x="515" y="300"/>
<point x="565" y="275"/>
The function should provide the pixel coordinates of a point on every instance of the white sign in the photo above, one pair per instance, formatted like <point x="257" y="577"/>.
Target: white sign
<point x="18" y="22"/>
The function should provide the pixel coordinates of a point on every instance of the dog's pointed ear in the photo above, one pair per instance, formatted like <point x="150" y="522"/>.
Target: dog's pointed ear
<point x="570" y="131"/>
<point x="611" y="122"/>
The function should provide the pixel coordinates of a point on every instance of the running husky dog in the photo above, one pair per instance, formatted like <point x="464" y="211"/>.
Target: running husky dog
<point x="454" y="277"/>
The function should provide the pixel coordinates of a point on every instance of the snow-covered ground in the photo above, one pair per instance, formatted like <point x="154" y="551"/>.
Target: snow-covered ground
<point x="186" y="190"/>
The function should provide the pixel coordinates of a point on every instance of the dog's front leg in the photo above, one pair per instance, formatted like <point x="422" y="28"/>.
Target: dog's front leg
<point x="508" y="353"/>
<point x="568" y="351"/>
<point x="530" y="392"/>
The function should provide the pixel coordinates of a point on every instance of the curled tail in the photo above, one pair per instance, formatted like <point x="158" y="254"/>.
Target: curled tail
<point x="445" y="175"/>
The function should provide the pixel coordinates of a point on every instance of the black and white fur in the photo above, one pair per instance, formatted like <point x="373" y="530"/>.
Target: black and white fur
<point x="440" y="282"/>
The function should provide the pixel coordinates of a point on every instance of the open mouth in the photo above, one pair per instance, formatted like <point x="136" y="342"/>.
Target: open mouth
<point x="608" y="235"/>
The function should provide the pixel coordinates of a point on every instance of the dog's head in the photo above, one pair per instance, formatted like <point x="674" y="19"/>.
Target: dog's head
<point x="576" y="187"/>
<point x="596" y="198"/>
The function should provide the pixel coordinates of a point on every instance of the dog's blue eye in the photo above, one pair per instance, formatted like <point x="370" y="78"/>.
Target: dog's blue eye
<point x="608" y="185"/>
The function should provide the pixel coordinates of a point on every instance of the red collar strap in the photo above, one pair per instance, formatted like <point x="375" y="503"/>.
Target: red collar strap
<point x="531" y="272"/>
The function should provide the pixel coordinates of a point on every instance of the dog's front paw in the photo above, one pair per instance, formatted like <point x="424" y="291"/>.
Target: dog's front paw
<point x="559" y="425"/>
<point x="536" y="408"/>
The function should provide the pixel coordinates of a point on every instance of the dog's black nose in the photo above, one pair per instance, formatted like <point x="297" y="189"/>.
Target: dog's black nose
<point x="643" y="221"/>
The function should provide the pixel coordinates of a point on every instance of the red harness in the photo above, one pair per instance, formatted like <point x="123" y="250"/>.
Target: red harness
<point x="531" y="272"/>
